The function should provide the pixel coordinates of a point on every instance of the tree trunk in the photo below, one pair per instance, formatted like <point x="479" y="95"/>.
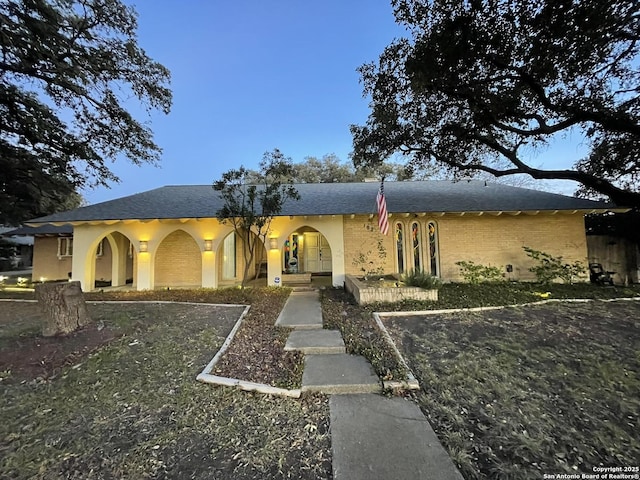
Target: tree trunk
<point x="63" y="306"/>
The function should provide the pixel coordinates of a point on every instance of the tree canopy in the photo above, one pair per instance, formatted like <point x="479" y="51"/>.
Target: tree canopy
<point x="482" y="82"/>
<point x="68" y="70"/>
<point x="330" y="169"/>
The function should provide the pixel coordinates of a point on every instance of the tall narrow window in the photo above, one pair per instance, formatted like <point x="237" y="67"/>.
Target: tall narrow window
<point x="400" y="247"/>
<point x="415" y="241"/>
<point x="433" y="248"/>
<point x="229" y="257"/>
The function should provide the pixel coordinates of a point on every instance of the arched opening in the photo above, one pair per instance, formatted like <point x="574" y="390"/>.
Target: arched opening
<point x="113" y="259"/>
<point x="178" y="261"/>
<point x="307" y="251"/>
<point x="233" y="256"/>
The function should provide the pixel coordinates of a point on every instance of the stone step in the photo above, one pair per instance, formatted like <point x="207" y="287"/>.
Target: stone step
<point x="301" y="311"/>
<point x="389" y="437"/>
<point x="316" y="342"/>
<point x="339" y="374"/>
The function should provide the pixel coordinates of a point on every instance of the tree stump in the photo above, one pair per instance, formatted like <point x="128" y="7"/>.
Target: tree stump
<point x="63" y="306"/>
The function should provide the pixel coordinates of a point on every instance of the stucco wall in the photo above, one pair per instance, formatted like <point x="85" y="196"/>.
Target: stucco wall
<point x="46" y="263"/>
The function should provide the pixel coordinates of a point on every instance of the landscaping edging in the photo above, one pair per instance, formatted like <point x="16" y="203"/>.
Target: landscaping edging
<point x="206" y="377"/>
<point x="411" y="383"/>
<point x="365" y="294"/>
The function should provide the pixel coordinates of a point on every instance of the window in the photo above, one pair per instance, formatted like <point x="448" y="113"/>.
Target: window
<point x="100" y="249"/>
<point x="65" y="247"/>
<point x="229" y="257"/>
<point x="433" y="248"/>
<point x="415" y="242"/>
<point x="399" y="247"/>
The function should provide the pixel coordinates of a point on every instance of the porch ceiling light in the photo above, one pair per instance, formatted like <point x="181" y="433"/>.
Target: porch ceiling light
<point x="273" y="243"/>
<point x="208" y="245"/>
<point x="144" y="246"/>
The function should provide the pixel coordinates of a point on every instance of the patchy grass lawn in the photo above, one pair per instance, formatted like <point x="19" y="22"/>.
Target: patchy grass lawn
<point x="519" y="392"/>
<point x="129" y="407"/>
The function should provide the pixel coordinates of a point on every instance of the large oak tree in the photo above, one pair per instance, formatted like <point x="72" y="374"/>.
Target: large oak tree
<point x="68" y="71"/>
<point x="481" y="82"/>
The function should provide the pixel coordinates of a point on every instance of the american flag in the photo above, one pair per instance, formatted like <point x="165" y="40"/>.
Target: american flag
<point x="383" y="221"/>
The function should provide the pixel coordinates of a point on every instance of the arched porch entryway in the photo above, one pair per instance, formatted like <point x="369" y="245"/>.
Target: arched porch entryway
<point x="113" y="261"/>
<point x="233" y="257"/>
<point x="306" y="251"/>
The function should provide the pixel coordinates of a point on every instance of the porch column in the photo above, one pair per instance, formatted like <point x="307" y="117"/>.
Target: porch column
<point x="119" y="260"/>
<point x="274" y="266"/>
<point x="145" y="272"/>
<point x="83" y="263"/>
<point x="209" y="271"/>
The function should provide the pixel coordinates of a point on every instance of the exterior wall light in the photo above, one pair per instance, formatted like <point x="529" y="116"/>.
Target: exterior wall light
<point x="208" y="245"/>
<point x="144" y="246"/>
<point x="273" y="243"/>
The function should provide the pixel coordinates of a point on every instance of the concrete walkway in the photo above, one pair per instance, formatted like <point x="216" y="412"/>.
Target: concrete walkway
<point x="372" y="437"/>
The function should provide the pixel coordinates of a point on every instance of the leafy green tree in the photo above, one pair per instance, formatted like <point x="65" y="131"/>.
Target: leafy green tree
<point x="252" y="199"/>
<point x="67" y="70"/>
<point x="330" y="169"/>
<point x="479" y="82"/>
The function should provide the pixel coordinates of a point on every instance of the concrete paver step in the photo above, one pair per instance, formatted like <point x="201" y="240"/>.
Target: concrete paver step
<point x="315" y="342"/>
<point x="339" y="374"/>
<point x="379" y="438"/>
<point x="302" y="310"/>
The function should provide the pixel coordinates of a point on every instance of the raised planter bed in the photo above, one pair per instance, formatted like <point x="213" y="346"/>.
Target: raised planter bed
<point x="364" y="293"/>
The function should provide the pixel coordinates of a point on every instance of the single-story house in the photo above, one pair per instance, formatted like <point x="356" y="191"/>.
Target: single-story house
<point x="170" y="236"/>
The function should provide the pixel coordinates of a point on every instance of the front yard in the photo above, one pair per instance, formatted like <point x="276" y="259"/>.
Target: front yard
<point x="522" y="392"/>
<point x="512" y="393"/>
<point x="132" y="407"/>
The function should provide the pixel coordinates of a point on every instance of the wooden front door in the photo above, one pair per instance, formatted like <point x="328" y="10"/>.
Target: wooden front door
<point x="317" y="253"/>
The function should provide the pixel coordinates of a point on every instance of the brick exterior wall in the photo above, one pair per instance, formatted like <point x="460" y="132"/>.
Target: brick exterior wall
<point x="487" y="239"/>
<point x="178" y="261"/>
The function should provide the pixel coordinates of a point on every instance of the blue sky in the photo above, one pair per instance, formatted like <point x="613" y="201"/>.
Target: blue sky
<point x="250" y="76"/>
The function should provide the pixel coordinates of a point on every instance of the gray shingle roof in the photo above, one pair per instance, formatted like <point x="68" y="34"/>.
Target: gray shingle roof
<point x="201" y="201"/>
<point x="41" y="230"/>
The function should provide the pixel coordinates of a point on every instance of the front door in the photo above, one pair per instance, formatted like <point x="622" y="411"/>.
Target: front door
<point x="317" y="253"/>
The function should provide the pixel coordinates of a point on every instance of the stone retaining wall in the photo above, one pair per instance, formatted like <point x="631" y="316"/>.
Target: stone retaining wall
<point x="365" y="294"/>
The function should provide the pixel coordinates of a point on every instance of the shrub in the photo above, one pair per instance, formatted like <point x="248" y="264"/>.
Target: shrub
<point x="476" y="273"/>
<point x="419" y="278"/>
<point x="549" y="267"/>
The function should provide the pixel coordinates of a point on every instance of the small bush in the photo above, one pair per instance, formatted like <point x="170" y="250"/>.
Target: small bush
<point x="476" y="273"/>
<point x="419" y="278"/>
<point x="549" y="267"/>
